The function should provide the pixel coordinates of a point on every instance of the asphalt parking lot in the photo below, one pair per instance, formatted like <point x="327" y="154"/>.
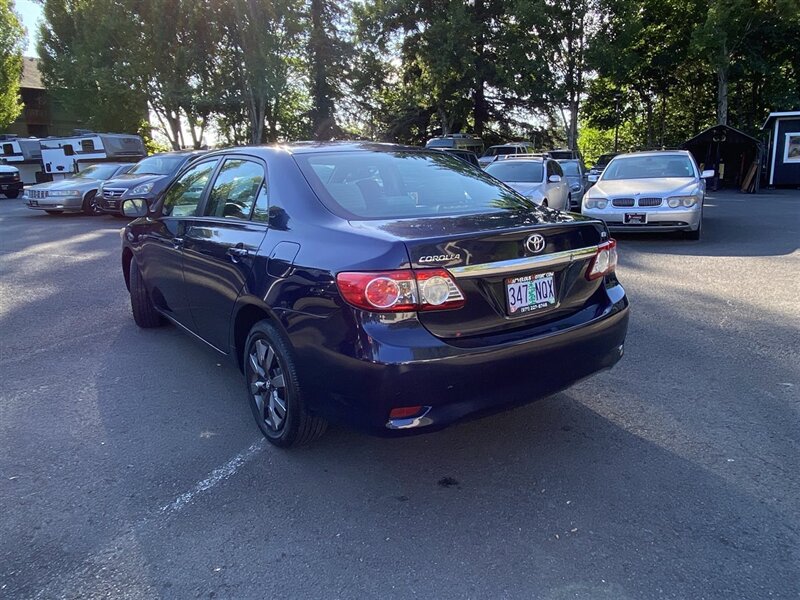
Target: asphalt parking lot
<point x="130" y="465"/>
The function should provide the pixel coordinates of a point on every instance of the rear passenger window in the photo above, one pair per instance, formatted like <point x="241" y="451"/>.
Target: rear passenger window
<point x="261" y="211"/>
<point x="235" y="189"/>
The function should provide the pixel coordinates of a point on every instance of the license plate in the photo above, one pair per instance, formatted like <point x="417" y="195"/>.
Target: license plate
<point x="531" y="292"/>
<point x="34" y="203"/>
<point x="635" y="218"/>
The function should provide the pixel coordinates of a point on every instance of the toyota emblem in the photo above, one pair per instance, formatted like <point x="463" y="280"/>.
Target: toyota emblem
<point x="535" y="243"/>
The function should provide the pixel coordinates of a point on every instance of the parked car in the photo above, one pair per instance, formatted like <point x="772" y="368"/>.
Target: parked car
<point x="390" y="288"/>
<point x="504" y="150"/>
<point x="457" y="141"/>
<point x="147" y="179"/>
<point x="10" y="183"/>
<point x="77" y="193"/>
<point x="650" y="191"/>
<point x="602" y="163"/>
<point x="576" y="177"/>
<point x="465" y="155"/>
<point x="538" y="178"/>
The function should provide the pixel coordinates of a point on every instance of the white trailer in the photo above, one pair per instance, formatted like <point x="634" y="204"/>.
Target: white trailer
<point x="25" y="154"/>
<point x="65" y="156"/>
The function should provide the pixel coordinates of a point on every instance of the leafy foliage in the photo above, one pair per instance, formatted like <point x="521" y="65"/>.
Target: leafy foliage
<point x="12" y="36"/>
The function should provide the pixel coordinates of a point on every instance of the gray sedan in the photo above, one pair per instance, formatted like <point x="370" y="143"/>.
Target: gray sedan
<point x="649" y="191"/>
<point x="73" y="194"/>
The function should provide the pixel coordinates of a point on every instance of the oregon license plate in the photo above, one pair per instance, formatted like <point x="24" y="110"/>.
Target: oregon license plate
<point x="635" y="218"/>
<point x="530" y="292"/>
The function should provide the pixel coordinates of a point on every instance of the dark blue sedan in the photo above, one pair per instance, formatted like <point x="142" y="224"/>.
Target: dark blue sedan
<point x="389" y="288"/>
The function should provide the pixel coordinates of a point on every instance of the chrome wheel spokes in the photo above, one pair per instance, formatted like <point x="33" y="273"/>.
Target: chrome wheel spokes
<point x="268" y="385"/>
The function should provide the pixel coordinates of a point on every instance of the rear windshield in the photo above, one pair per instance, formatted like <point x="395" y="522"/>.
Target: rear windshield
<point x="648" y="167"/>
<point x="440" y="143"/>
<point x="518" y="172"/>
<point x="98" y="172"/>
<point x="397" y="185"/>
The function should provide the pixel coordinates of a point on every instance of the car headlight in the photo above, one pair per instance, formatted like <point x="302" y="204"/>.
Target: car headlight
<point x="142" y="189"/>
<point x="599" y="203"/>
<point x="63" y="193"/>
<point x="685" y="201"/>
<point x="576" y="187"/>
<point x="15" y="176"/>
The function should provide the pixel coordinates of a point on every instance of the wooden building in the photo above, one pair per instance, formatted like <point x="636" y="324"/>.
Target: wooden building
<point x="734" y="156"/>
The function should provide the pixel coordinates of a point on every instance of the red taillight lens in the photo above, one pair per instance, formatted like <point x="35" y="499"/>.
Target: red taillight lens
<point x="405" y="412"/>
<point x="604" y="262"/>
<point x="401" y="291"/>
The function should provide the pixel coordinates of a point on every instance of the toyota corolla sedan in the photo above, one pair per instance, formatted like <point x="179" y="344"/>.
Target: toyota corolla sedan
<point x="388" y="288"/>
<point x="650" y="191"/>
<point x="73" y="194"/>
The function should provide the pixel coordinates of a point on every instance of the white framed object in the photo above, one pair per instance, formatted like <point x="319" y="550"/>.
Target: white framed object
<point x="791" y="148"/>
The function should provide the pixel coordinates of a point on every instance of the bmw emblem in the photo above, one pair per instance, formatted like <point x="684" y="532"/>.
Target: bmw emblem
<point x="535" y="243"/>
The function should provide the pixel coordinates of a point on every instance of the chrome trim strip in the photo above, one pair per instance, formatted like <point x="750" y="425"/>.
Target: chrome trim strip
<point x="515" y="265"/>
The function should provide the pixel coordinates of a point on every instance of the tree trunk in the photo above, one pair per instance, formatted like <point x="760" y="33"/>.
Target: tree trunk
<point x="722" y="95"/>
<point x="480" y="109"/>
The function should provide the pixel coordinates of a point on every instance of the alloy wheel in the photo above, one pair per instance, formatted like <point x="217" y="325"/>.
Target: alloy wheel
<point x="268" y="385"/>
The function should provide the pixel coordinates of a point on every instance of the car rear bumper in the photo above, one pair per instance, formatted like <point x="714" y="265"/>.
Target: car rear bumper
<point x="660" y="219"/>
<point x="404" y="365"/>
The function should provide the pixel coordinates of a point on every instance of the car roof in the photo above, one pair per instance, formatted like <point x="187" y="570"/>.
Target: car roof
<point x="522" y="158"/>
<point x="179" y="153"/>
<point x="314" y="147"/>
<point x="655" y="153"/>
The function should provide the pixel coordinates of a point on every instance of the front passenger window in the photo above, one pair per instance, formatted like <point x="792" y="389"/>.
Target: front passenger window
<point x="184" y="195"/>
<point x="235" y="189"/>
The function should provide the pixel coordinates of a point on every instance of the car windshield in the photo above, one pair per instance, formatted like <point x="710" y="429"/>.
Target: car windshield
<point x="157" y="165"/>
<point x="570" y="169"/>
<point x="519" y="172"/>
<point x="97" y="172"/>
<point x="501" y="150"/>
<point x="397" y="185"/>
<point x="443" y="143"/>
<point x="649" y="167"/>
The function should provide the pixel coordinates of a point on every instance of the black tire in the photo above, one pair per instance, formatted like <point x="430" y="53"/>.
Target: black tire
<point x="272" y="387"/>
<point x="144" y="313"/>
<point x="12" y="194"/>
<point x="54" y="212"/>
<point x="89" y="206"/>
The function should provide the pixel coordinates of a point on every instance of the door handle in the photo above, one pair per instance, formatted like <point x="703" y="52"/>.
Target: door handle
<point x="238" y="252"/>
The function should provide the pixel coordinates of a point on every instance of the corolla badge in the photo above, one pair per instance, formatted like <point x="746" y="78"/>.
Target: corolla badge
<point x="439" y="258"/>
<point x="535" y="243"/>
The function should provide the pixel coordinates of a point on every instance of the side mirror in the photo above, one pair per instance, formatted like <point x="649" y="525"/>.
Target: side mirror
<point x="135" y="207"/>
<point x="592" y="178"/>
<point x="554" y="178"/>
<point x="707" y="174"/>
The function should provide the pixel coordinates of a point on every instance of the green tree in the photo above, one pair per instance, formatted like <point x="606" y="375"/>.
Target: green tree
<point x="89" y="65"/>
<point x="12" y="37"/>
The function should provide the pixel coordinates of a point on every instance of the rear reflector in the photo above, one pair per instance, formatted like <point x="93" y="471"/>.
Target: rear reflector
<point x="604" y="262"/>
<point x="401" y="291"/>
<point x="405" y="412"/>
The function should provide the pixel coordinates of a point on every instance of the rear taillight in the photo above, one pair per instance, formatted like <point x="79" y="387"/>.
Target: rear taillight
<point x="604" y="262"/>
<point x="401" y="291"/>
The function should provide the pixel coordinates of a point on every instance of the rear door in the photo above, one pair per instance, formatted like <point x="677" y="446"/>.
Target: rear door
<point x="221" y="244"/>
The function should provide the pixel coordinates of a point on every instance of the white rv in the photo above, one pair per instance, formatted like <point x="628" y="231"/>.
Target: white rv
<point x="64" y="156"/>
<point x="25" y="154"/>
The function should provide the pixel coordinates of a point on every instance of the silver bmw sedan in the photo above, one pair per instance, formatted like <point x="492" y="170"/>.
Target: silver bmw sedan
<point x="650" y="191"/>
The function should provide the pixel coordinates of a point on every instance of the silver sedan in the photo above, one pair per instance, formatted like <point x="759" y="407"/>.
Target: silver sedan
<point x="649" y="191"/>
<point x="73" y="194"/>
